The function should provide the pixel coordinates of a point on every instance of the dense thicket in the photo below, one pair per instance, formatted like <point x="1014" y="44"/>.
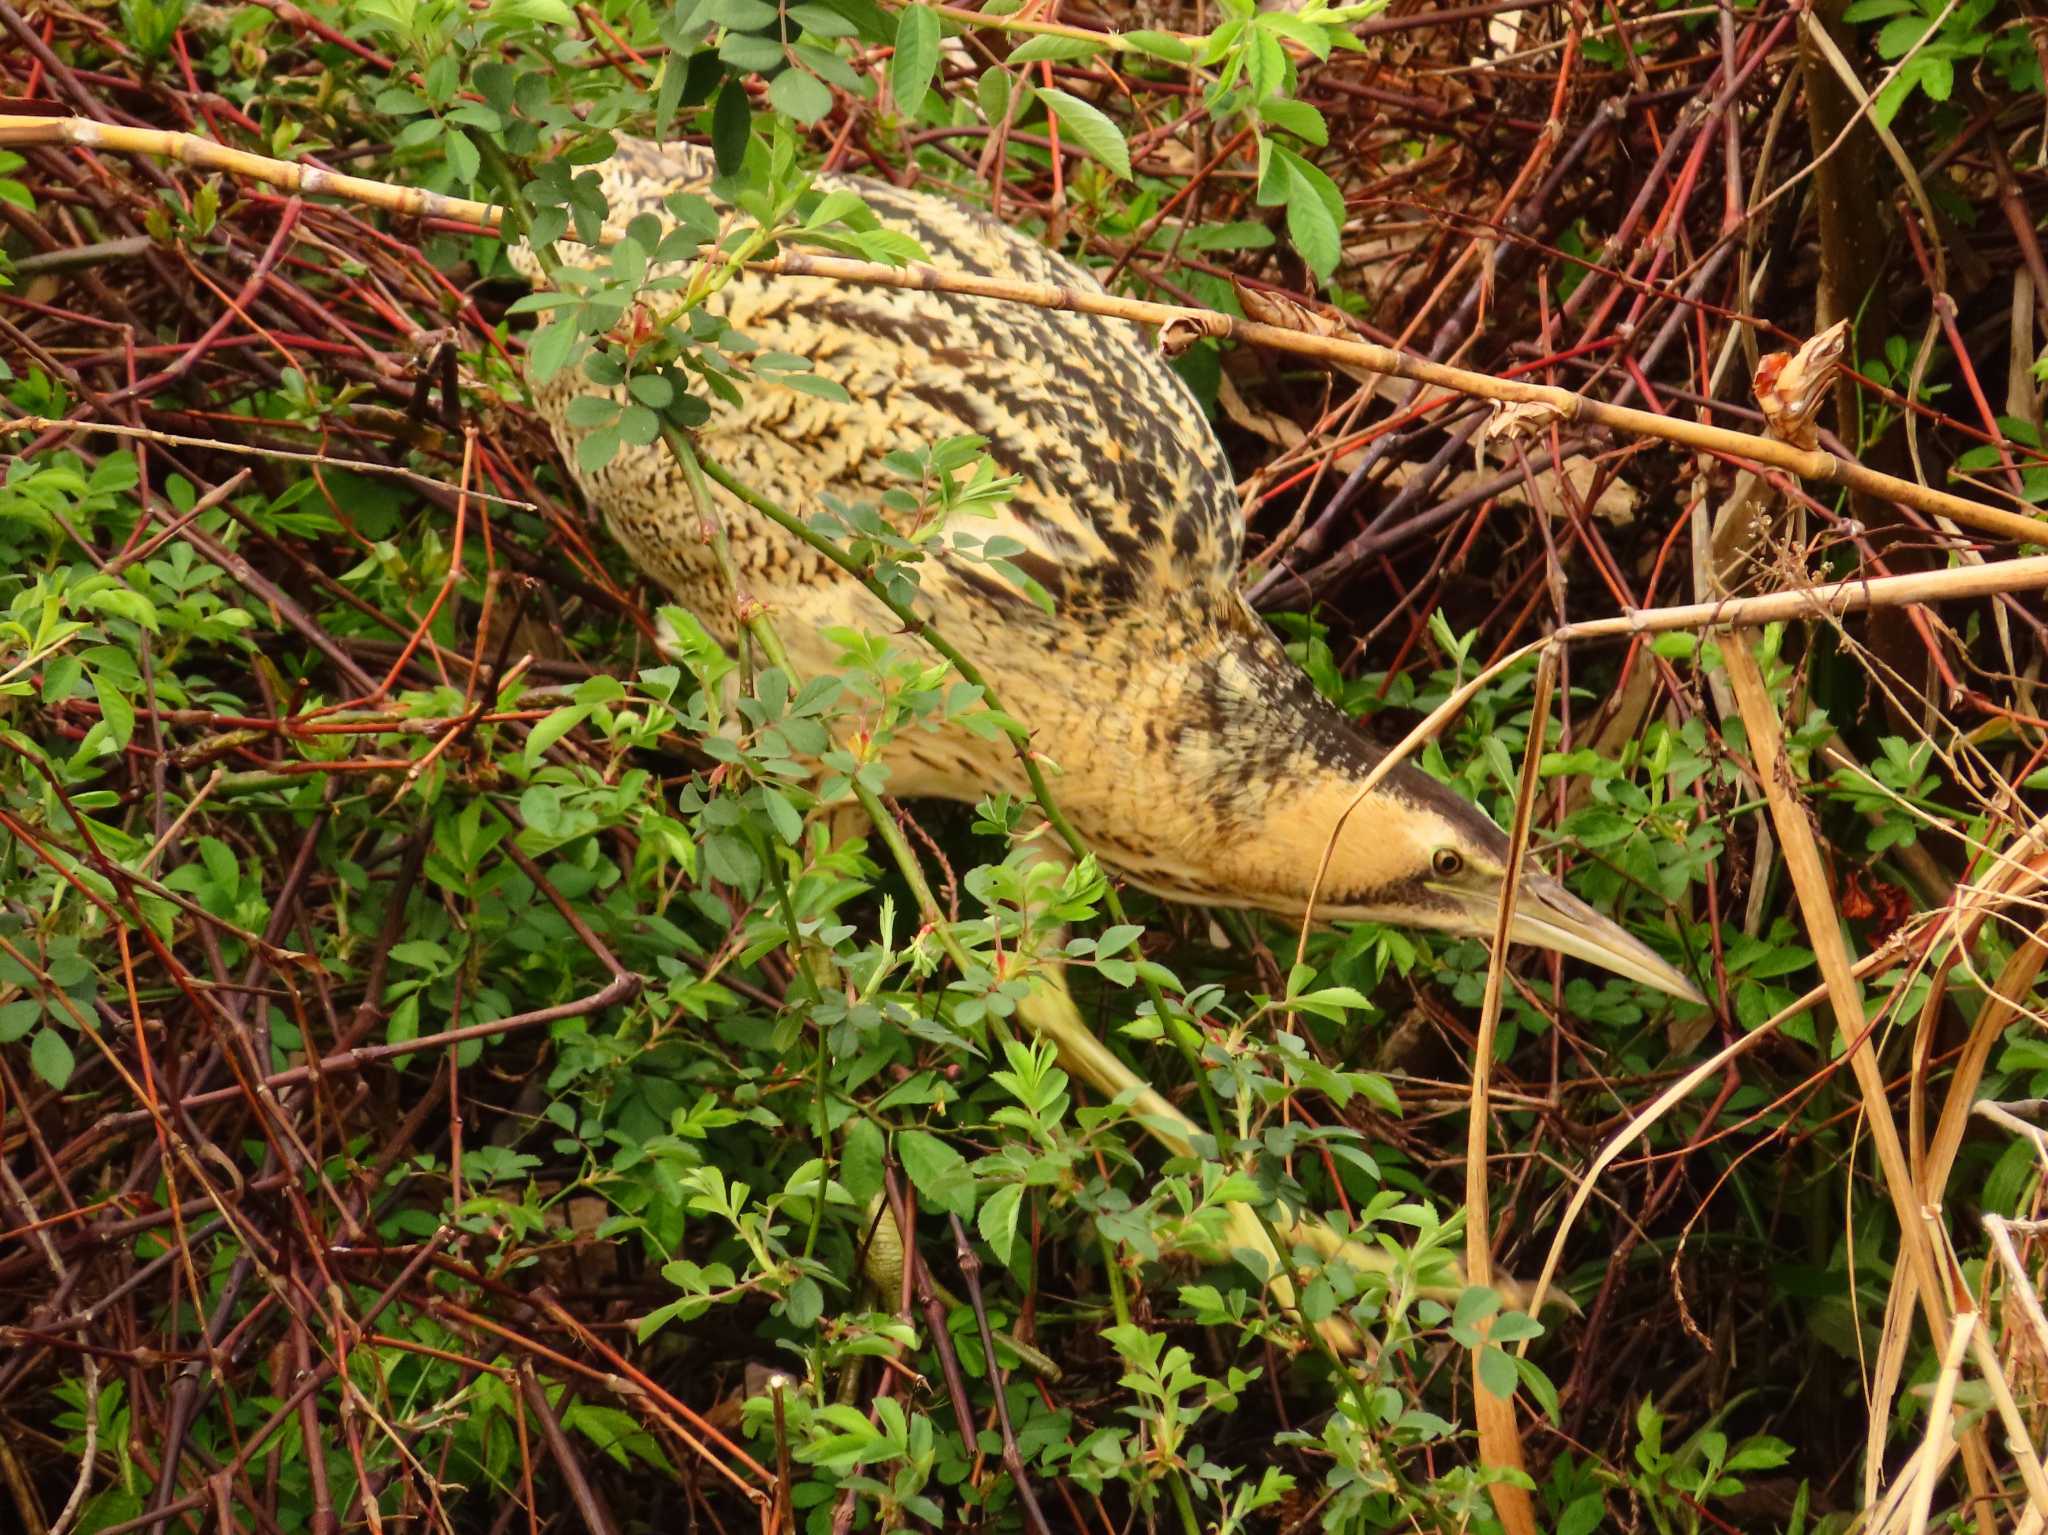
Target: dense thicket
<point x="452" y="1062"/>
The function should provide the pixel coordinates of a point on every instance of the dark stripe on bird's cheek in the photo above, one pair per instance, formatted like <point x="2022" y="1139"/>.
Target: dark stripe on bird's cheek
<point x="1411" y="895"/>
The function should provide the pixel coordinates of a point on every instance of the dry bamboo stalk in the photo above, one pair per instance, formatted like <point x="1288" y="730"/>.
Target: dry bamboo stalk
<point x="1817" y="904"/>
<point x="1883" y="1373"/>
<point x="1823" y="928"/>
<point x="2014" y="881"/>
<point x="1829" y="601"/>
<point x="1337" y="351"/>
<point x="2008" y="994"/>
<point x="1807" y="464"/>
<point x="190" y="149"/>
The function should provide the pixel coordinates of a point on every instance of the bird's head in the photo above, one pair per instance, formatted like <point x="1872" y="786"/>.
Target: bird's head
<point x="1413" y="854"/>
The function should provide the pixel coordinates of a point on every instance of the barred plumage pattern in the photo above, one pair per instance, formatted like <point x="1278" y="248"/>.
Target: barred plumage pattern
<point x="1191" y="752"/>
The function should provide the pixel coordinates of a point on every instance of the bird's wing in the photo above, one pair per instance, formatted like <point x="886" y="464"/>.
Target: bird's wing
<point x="1126" y="499"/>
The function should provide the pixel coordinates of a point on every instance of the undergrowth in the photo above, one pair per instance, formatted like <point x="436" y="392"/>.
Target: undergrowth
<point x="458" y="1068"/>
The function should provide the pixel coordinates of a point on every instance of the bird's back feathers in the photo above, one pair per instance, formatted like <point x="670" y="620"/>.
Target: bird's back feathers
<point x="1126" y="497"/>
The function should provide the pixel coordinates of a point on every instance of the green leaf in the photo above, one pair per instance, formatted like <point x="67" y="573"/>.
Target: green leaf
<point x="1315" y="216"/>
<point x="916" y="58"/>
<point x="547" y="353"/>
<point x="51" y="1057"/>
<point x="116" y="708"/>
<point x="1599" y="826"/>
<point x="552" y="13"/>
<point x="591" y="410"/>
<point x="1475" y="1305"/>
<point x="731" y="121"/>
<point x="805" y="1303"/>
<point x="745" y="15"/>
<point x="810" y="383"/>
<point x="1332" y="1000"/>
<point x="748" y="53"/>
<point x="651" y="389"/>
<point x="1513" y="1326"/>
<point x="17" y="1018"/>
<point x="550" y="729"/>
<point x="1762" y="1453"/>
<point x="598" y="449"/>
<point x="729" y="859"/>
<point x="463" y="158"/>
<point x="789" y="826"/>
<point x="123" y="602"/>
<point x="821" y="21"/>
<point x="803" y="97"/>
<point x="1115" y="940"/>
<point x="1088" y="129"/>
<point x="639" y="425"/>
<point x="675" y="74"/>
<point x="1160" y="45"/>
<point x="992" y="94"/>
<point x="1297" y="117"/>
<point x="998" y="1221"/>
<point x="1056" y="48"/>
<point x="860" y="1160"/>
<point x="1497" y="1371"/>
<point x="1583" y="1515"/>
<point x="938" y="1171"/>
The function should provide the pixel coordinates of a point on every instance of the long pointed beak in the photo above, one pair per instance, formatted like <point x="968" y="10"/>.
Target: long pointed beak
<point x="1549" y="916"/>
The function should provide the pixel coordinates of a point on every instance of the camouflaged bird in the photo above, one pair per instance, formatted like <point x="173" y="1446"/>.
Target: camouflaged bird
<point x="1191" y="753"/>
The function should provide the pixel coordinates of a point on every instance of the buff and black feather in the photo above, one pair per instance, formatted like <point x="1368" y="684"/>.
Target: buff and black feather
<point x="1191" y="753"/>
<point x="1174" y="717"/>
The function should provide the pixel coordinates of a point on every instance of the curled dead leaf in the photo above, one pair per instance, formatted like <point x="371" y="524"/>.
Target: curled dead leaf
<point x="1269" y="308"/>
<point x="1184" y="330"/>
<point x="1520" y="419"/>
<point x="1791" y="386"/>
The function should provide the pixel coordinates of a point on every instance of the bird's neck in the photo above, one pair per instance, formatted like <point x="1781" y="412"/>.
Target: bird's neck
<point x="1273" y="769"/>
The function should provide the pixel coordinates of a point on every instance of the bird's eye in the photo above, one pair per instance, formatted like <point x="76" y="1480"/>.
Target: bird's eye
<point x="1447" y="862"/>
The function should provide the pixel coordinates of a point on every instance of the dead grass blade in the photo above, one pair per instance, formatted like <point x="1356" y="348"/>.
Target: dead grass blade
<point x="1500" y="1441"/>
<point x="1937" y="1448"/>
<point x="1824" y="932"/>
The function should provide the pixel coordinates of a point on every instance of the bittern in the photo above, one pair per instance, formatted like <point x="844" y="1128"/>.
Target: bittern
<point x="1194" y="757"/>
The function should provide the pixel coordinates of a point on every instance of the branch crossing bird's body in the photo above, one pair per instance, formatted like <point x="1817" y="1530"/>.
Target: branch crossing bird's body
<point x="1192" y="754"/>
